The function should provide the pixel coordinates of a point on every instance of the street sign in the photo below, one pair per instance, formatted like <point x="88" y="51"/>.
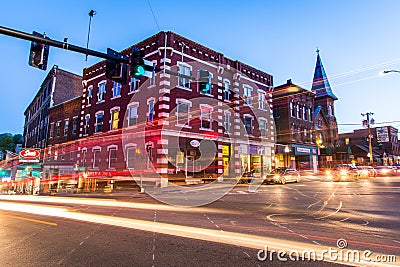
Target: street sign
<point x="29" y="155"/>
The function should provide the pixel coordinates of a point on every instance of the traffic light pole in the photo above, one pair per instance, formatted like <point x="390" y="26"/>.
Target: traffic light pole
<point x="78" y="49"/>
<point x="62" y="45"/>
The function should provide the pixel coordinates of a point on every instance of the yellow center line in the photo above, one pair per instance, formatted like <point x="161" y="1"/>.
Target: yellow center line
<point x="31" y="220"/>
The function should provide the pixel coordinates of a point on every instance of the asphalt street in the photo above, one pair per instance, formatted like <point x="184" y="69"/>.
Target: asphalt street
<point x="133" y="229"/>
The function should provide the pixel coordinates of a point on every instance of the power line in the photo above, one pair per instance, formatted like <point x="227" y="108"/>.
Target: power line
<point x="151" y="9"/>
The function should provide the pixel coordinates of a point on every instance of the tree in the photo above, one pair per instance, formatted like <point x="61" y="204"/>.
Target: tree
<point x="8" y="142"/>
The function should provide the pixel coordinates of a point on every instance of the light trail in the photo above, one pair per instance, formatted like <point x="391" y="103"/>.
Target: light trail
<point x="224" y="237"/>
<point x="111" y="203"/>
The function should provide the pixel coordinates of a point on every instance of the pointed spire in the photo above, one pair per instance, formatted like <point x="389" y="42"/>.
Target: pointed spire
<point x="320" y="83"/>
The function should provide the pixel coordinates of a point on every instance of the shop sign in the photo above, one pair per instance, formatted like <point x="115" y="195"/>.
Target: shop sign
<point x="242" y="149"/>
<point x="225" y="150"/>
<point x="303" y="150"/>
<point x="253" y="150"/>
<point x="195" y="143"/>
<point x="29" y="155"/>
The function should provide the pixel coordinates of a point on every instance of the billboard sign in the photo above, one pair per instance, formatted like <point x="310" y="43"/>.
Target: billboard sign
<point x="382" y="134"/>
<point x="29" y="155"/>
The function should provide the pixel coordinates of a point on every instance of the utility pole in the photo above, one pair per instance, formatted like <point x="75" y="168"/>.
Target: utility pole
<point x="368" y="123"/>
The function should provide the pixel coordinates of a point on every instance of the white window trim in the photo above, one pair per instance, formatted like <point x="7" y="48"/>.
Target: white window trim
<point x="252" y="124"/>
<point x="111" y="117"/>
<point x="104" y="93"/>
<point x="132" y="104"/>
<point x="127" y="146"/>
<point x="189" y="103"/>
<point x="184" y="64"/>
<point x="95" y="121"/>
<point x="264" y="104"/>
<point x="229" y="122"/>
<point x="113" y="90"/>
<point x="89" y="97"/>
<point x="246" y="86"/>
<point x="111" y="147"/>
<point x="211" y="109"/>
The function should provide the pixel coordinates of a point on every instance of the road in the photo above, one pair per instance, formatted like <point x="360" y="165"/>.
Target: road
<point x="132" y="229"/>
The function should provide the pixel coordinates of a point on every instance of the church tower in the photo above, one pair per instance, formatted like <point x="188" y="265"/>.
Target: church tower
<point x="324" y="112"/>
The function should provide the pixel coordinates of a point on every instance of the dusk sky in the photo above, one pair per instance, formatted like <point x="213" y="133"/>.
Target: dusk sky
<point x="357" y="39"/>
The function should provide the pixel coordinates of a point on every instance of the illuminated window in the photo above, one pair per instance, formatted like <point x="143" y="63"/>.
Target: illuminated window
<point x="114" y="119"/>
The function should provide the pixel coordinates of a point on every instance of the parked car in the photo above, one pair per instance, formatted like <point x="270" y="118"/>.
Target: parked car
<point x="342" y="173"/>
<point x="366" y="172"/>
<point x="282" y="176"/>
<point x="246" y="178"/>
<point x="385" y="171"/>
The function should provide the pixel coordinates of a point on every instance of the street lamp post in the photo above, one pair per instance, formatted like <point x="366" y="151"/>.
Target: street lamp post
<point x="287" y="150"/>
<point x="368" y="123"/>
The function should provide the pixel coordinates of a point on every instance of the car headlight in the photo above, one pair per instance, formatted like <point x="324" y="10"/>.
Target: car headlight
<point x="328" y="173"/>
<point x="276" y="177"/>
<point x="343" y="172"/>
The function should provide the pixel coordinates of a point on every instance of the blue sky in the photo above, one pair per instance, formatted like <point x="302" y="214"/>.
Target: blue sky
<point x="357" y="39"/>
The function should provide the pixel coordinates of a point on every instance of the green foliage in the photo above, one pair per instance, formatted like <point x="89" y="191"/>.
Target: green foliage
<point x="9" y="141"/>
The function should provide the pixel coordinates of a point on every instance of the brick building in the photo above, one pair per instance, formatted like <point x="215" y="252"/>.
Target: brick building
<point x="167" y="125"/>
<point x="61" y="155"/>
<point x="293" y="108"/>
<point x="58" y="86"/>
<point x="385" y="146"/>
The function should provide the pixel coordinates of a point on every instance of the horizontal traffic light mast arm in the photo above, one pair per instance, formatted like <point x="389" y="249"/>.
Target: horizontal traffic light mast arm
<point x="62" y="45"/>
<point x="157" y="69"/>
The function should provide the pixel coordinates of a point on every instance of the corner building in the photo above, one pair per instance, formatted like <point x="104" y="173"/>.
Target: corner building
<point x="174" y="127"/>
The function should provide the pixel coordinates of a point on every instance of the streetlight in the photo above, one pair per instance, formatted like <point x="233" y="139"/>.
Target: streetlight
<point x="287" y="150"/>
<point x="368" y="123"/>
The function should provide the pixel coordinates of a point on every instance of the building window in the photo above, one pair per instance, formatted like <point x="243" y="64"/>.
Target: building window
<point x="84" y="152"/>
<point x="116" y="89"/>
<point x="102" y="92"/>
<point x="292" y="109"/>
<point x="87" y="121"/>
<point x="99" y="123"/>
<point x="227" y="121"/>
<point x="262" y="100"/>
<point x="305" y="137"/>
<point x="299" y="134"/>
<point x="66" y="124"/>
<point x="182" y="113"/>
<point x="227" y="91"/>
<point x="262" y="125"/>
<point x="183" y="81"/>
<point x="89" y="95"/>
<point x="292" y="131"/>
<point x="309" y="114"/>
<point x="149" y="155"/>
<point x="305" y="113"/>
<point x="330" y="110"/>
<point x="112" y="157"/>
<point x="134" y="86"/>
<point x="276" y="112"/>
<point x="298" y="110"/>
<point x="74" y="125"/>
<point x="151" y="111"/>
<point x="96" y="158"/>
<point x="248" y="124"/>
<point x="247" y="95"/>
<point x="51" y="130"/>
<point x="132" y="115"/>
<point x="205" y="117"/>
<point x="114" y="119"/>
<point x="130" y="157"/>
<point x="58" y="130"/>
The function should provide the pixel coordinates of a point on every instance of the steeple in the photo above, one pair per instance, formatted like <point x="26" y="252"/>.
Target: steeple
<point x="320" y="84"/>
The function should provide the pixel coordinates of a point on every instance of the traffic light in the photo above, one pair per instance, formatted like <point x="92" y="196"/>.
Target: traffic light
<point x="115" y="70"/>
<point x="204" y="81"/>
<point x="39" y="53"/>
<point x="140" y="66"/>
<point x="137" y="63"/>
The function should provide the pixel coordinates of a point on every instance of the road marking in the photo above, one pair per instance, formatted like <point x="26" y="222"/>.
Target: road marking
<point x="31" y="220"/>
<point x="343" y="220"/>
<point x="241" y="239"/>
<point x="396" y="241"/>
<point x="315" y="242"/>
<point x="333" y="213"/>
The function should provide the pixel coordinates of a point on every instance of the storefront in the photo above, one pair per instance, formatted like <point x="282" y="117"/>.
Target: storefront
<point x="256" y="159"/>
<point x="305" y="157"/>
